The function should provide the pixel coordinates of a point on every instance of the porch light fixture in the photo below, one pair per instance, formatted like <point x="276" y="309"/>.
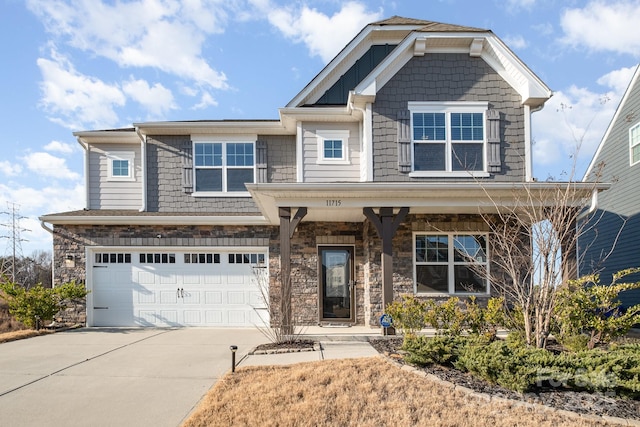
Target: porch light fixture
<point x="69" y="260"/>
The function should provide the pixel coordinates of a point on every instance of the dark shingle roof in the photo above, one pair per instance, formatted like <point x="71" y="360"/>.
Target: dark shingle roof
<point x="428" y="26"/>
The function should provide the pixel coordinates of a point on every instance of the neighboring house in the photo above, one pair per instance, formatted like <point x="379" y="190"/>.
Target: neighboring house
<point x="613" y="241"/>
<point x="368" y="186"/>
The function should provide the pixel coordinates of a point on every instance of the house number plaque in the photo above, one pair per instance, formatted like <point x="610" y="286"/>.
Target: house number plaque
<point x="333" y="203"/>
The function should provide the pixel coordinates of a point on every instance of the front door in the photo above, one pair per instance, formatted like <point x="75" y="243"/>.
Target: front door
<point x="336" y="283"/>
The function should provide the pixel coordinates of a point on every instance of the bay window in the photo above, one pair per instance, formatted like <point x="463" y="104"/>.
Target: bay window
<point x="450" y="263"/>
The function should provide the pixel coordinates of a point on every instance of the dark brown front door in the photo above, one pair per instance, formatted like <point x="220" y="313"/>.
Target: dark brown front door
<point x="336" y="283"/>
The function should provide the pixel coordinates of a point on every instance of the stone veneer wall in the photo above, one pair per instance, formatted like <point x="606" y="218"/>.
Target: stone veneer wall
<point x="363" y="237"/>
<point x="403" y="256"/>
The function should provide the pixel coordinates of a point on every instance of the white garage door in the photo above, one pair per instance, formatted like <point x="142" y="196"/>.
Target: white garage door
<point x="178" y="288"/>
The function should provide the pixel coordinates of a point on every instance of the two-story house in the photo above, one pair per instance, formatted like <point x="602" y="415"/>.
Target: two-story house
<point x="369" y="185"/>
<point x="612" y="242"/>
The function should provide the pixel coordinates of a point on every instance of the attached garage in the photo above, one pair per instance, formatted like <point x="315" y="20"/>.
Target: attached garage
<point x="165" y="287"/>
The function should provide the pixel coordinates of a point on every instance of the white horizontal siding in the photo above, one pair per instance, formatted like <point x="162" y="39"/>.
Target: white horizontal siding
<point x="110" y="194"/>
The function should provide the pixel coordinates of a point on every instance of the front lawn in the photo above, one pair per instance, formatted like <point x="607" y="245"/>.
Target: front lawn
<point x="355" y="392"/>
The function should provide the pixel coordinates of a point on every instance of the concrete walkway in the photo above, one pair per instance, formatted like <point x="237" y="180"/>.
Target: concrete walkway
<point x="114" y="377"/>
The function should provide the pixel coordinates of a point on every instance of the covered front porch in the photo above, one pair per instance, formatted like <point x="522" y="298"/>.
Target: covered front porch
<point x="348" y="250"/>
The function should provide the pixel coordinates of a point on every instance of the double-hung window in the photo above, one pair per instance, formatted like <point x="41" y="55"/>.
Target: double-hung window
<point x="451" y="263"/>
<point x="223" y="167"/>
<point x="448" y="138"/>
<point x="634" y="144"/>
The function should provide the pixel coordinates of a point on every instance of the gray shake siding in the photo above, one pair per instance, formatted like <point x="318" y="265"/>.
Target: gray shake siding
<point x="447" y="77"/>
<point x="164" y="183"/>
<point x="281" y="157"/>
<point x="613" y="244"/>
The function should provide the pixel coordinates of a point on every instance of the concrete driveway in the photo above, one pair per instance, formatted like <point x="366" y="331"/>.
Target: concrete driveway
<point x="114" y="377"/>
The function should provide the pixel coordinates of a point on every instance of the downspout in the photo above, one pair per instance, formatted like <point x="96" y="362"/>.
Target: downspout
<point x="53" y="254"/>
<point x="528" y="155"/>
<point x="143" y="166"/>
<point x="87" y="150"/>
<point x="365" y="148"/>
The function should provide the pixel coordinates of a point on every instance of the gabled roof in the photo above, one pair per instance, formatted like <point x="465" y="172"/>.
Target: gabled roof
<point x="415" y="37"/>
<point x="427" y="25"/>
<point x="634" y="84"/>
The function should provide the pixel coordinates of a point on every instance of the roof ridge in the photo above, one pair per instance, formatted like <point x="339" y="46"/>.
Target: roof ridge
<point x="427" y="25"/>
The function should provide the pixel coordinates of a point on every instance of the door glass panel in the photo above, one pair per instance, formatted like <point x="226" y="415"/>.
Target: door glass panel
<point x="336" y="283"/>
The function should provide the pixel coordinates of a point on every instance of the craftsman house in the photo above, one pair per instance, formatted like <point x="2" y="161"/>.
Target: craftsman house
<point x="611" y="245"/>
<point x="368" y="186"/>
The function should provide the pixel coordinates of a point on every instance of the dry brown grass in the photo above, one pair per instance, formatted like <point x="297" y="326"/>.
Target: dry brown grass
<point x="22" y="334"/>
<point x="354" y="392"/>
<point x="8" y="323"/>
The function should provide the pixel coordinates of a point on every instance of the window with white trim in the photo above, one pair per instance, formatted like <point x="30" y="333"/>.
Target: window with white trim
<point x="448" y="138"/>
<point x="333" y="146"/>
<point x="120" y="165"/>
<point x="223" y="167"/>
<point x="450" y="263"/>
<point x="634" y="144"/>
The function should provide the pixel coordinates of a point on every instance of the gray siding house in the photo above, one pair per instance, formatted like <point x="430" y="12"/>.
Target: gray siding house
<point x="370" y="185"/>
<point x="613" y="241"/>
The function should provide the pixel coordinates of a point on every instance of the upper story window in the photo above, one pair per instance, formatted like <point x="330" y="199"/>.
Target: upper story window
<point x="333" y="147"/>
<point x="120" y="165"/>
<point x="634" y="144"/>
<point x="448" y="138"/>
<point x="451" y="263"/>
<point x="223" y="167"/>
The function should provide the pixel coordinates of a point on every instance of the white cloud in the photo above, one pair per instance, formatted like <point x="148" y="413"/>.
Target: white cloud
<point x="568" y="130"/>
<point x="46" y="165"/>
<point x="205" y="101"/>
<point x="604" y="26"/>
<point x="80" y="100"/>
<point x="516" y="42"/>
<point x="323" y="35"/>
<point x="10" y="169"/>
<point x="60" y="147"/>
<point x="157" y="99"/>
<point x="166" y="35"/>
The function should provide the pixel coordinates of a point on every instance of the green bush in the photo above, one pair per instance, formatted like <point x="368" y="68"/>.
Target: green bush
<point x="36" y="304"/>
<point x="522" y="368"/>
<point x="588" y="314"/>
<point x="441" y="350"/>
<point x="408" y="314"/>
<point x="447" y="318"/>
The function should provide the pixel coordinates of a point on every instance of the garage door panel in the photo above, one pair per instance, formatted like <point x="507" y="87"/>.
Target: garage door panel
<point x="235" y="297"/>
<point x="213" y="297"/>
<point x="213" y="317"/>
<point x="169" y="287"/>
<point x="169" y="297"/>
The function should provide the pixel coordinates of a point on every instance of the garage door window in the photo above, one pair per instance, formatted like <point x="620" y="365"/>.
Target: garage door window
<point x="157" y="258"/>
<point x="202" y="258"/>
<point x="246" y="258"/>
<point x="108" y="258"/>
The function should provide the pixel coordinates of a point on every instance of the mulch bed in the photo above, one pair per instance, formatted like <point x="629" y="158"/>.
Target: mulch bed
<point x="286" y="347"/>
<point x="580" y="402"/>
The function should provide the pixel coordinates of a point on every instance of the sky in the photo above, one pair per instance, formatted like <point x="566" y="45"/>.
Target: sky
<point x="74" y="65"/>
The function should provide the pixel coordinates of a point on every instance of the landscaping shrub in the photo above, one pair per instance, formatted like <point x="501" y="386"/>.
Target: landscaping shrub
<point x="409" y="314"/>
<point x="447" y="317"/>
<point x="588" y="313"/>
<point x="30" y="306"/>
<point x="523" y="368"/>
<point x="441" y="350"/>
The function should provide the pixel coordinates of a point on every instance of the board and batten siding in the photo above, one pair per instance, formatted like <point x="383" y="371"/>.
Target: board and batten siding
<point x="315" y="171"/>
<point x="113" y="194"/>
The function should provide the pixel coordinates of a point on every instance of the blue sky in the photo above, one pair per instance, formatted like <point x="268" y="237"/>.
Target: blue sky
<point x="92" y="64"/>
